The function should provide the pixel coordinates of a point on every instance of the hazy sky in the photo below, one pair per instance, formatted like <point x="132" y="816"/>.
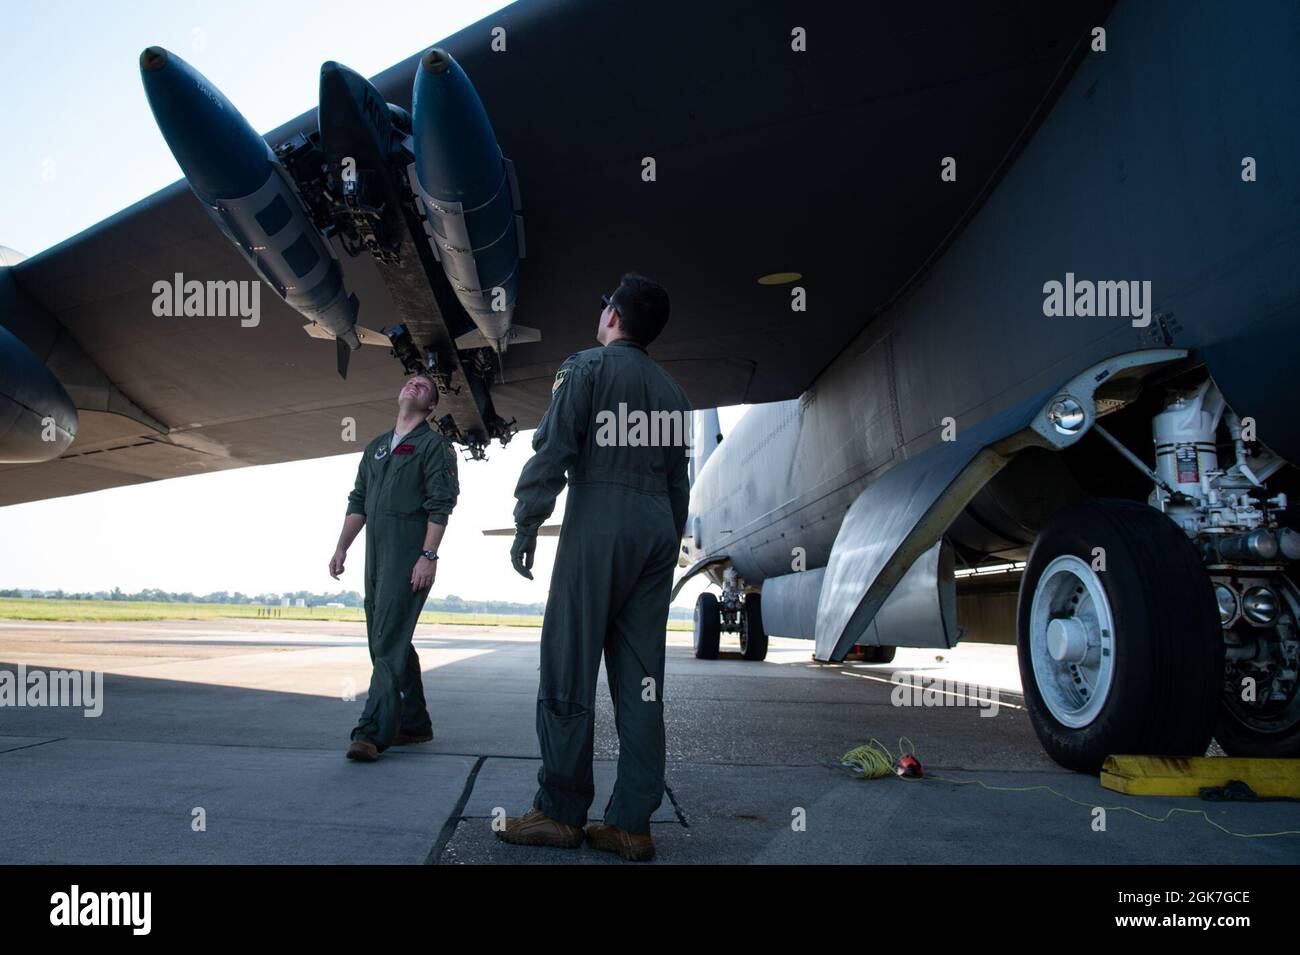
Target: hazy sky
<point x="79" y="143"/>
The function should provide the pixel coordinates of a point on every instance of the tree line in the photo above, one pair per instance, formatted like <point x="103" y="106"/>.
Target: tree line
<point x="348" y="598"/>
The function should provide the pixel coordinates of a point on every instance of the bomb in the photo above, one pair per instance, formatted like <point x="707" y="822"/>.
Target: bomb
<point x="470" y="197"/>
<point x="249" y="195"/>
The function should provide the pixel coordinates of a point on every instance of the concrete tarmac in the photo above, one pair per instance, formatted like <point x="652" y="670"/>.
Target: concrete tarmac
<point x="222" y="742"/>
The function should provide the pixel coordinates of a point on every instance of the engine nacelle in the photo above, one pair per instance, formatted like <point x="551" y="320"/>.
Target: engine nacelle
<point x="38" y="420"/>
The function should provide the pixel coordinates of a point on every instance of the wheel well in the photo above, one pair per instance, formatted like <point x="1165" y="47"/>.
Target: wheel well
<point x="1003" y="520"/>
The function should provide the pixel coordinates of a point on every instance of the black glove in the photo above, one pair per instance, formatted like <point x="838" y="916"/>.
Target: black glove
<point x="521" y="554"/>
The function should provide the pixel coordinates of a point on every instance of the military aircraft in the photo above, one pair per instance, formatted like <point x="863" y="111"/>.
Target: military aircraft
<point x="962" y="428"/>
<point x="932" y="246"/>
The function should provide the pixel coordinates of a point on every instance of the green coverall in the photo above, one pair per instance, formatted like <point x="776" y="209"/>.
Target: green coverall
<point x="399" y="491"/>
<point x="613" y="572"/>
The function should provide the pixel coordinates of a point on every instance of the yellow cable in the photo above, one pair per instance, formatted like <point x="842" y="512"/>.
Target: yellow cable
<point x="874" y="761"/>
<point x="871" y="761"/>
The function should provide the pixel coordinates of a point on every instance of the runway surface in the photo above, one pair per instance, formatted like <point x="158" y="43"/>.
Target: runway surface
<point x="242" y="725"/>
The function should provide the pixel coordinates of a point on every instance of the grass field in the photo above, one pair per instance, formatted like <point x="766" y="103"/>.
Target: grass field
<point x="108" y="610"/>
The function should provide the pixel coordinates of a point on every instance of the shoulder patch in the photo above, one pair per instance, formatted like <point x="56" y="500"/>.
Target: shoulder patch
<point x="560" y="377"/>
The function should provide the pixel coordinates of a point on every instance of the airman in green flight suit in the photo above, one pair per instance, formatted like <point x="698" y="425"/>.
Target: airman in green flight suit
<point x="405" y="491"/>
<point x="617" y="431"/>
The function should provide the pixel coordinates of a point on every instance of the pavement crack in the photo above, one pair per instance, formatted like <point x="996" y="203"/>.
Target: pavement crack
<point x="14" y="749"/>
<point x="453" y="820"/>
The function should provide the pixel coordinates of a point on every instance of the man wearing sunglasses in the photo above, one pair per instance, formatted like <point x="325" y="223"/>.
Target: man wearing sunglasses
<point x="610" y="587"/>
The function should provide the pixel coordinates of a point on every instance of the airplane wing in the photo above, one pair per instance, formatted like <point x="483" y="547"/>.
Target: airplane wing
<point x="711" y="146"/>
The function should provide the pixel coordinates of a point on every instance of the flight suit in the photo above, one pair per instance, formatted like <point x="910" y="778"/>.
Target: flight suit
<point x="399" y="491"/>
<point x="613" y="572"/>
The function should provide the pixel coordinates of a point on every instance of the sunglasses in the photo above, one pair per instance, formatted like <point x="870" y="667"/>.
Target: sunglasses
<point x="607" y="302"/>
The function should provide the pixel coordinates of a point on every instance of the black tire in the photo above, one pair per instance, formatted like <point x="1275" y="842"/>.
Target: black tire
<point x="1168" y="662"/>
<point x="753" y="638"/>
<point x="708" y="627"/>
<point x="1239" y="739"/>
<point x="1271" y="731"/>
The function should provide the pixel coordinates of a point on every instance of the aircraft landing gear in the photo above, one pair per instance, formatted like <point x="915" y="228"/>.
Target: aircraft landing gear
<point x="737" y="612"/>
<point x="863" y="653"/>
<point x="1147" y="628"/>
<point x="1259" y="714"/>
<point x="1125" y="659"/>
<point x="708" y="627"/>
<point x="753" y="638"/>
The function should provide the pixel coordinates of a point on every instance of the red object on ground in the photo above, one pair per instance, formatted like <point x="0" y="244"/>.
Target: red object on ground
<point x="909" y="766"/>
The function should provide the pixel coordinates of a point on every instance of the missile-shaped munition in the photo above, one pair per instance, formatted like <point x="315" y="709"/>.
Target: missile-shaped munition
<point x="248" y="193"/>
<point x="470" y="198"/>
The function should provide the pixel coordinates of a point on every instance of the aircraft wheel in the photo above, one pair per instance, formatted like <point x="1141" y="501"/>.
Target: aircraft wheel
<point x="708" y="627"/>
<point x="753" y="638"/>
<point x="869" y="653"/>
<point x="1264" y="726"/>
<point x="1124" y="658"/>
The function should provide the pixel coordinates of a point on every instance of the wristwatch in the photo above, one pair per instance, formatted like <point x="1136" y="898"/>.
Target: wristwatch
<point x="430" y="554"/>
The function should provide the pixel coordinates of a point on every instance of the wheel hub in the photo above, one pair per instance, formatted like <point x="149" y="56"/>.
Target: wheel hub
<point x="1071" y="641"/>
<point x="1067" y="640"/>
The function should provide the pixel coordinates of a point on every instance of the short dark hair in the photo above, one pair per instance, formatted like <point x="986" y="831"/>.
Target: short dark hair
<point x="642" y="305"/>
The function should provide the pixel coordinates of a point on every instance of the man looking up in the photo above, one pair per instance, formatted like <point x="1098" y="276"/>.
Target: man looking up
<point x="623" y="522"/>
<point x="405" y="491"/>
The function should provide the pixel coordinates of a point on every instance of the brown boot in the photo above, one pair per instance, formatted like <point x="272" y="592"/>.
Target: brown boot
<point x="535" y="828"/>
<point x="629" y="846"/>
<point x="363" y="750"/>
<point x="404" y="739"/>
